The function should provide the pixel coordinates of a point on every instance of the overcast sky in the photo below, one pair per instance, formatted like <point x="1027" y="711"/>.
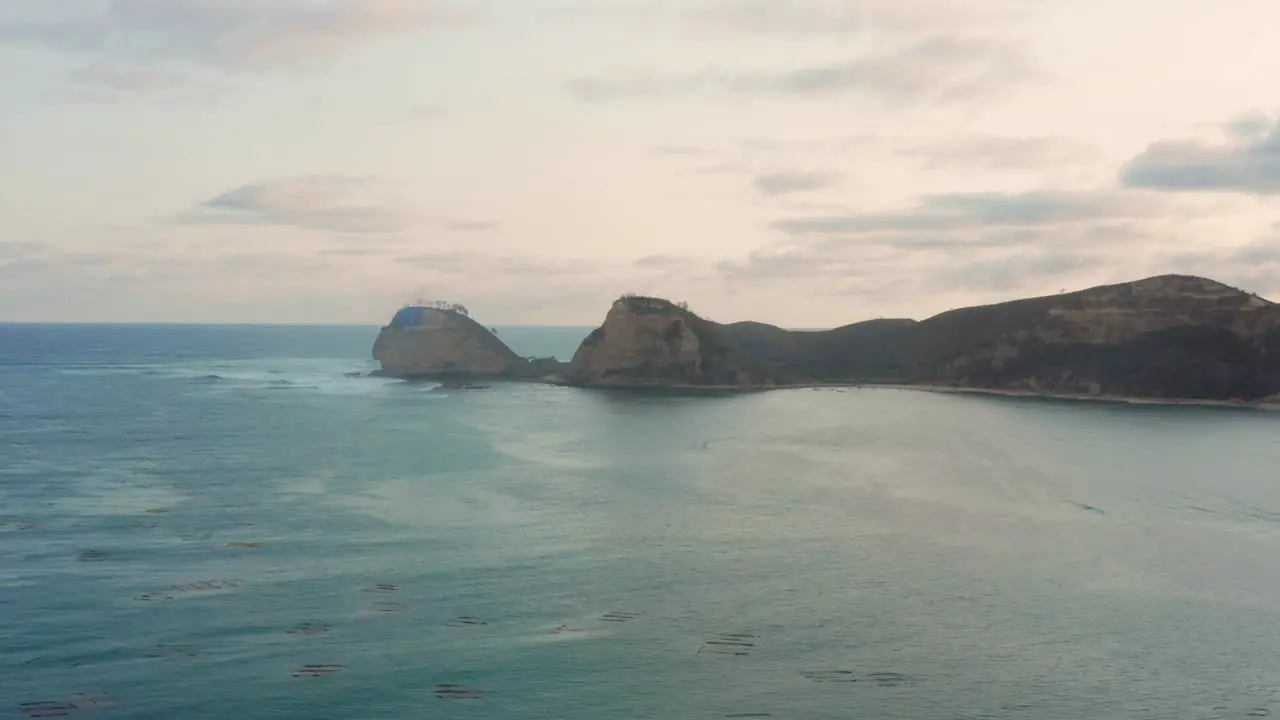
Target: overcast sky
<point x="802" y="162"/>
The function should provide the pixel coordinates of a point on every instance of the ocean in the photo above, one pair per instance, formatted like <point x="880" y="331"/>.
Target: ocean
<point x="219" y="522"/>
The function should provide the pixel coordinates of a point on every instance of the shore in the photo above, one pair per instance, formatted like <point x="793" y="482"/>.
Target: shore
<point x="1265" y="404"/>
<point x="666" y="388"/>
<point x="674" y="389"/>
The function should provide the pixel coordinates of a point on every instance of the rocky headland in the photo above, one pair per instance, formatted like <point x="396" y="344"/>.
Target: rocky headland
<point x="648" y="342"/>
<point x="1165" y="337"/>
<point x="444" y="343"/>
<point x="1170" y="337"/>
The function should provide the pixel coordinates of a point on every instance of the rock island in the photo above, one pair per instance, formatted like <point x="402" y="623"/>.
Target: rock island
<point x="442" y="342"/>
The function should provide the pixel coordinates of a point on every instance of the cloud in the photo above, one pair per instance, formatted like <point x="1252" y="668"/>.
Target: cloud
<point x="1252" y="125"/>
<point x="660" y="262"/>
<point x="1261" y="252"/>
<point x="20" y="250"/>
<point x="428" y="111"/>
<point x="155" y="286"/>
<point x="128" y="80"/>
<point x="842" y="17"/>
<point x="358" y="251"/>
<point x="957" y="211"/>
<point x="808" y="20"/>
<point x="938" y="69"/>
<point x="330" y="203"/>
<point x="1253" y="266"/>
<point x="243" y="34"/>
<point x="1248" y="161"/>
<point x="39" y="269"/>
<point x="680" y="150"/>
<point x="1264" y="252"/>
<point x="966" y="248"/>
<point x="265" y="265"/>
<point x="788" y="264"/>
<point x="824" y="146"/>
<point x="1009" y="273"/>
<point x="468" y="264"/>
<point x="103" y="81"/>
<point x="470" y="225"/>
<point x="784" y="183"/>
<point x="721" y="169"/>
<point x="970" y="269"/>
<point x="710" y="161"/>
<point x="995" y="152"/>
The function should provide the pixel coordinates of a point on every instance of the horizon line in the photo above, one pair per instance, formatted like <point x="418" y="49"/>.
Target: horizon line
<point x="198" y="323"/>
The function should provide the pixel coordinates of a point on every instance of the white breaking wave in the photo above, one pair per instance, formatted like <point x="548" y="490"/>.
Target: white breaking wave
<point x="330" y="376"/>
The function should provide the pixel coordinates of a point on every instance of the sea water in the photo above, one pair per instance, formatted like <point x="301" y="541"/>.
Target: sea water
<point x="221" y="522"/>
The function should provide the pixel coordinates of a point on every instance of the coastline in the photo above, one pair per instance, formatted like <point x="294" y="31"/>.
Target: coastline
<point x="664" y="388"/>
<point x="1270" y="404"/>
<point x="1179" y="314"/>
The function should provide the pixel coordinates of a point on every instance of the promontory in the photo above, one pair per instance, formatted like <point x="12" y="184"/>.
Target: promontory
<point x="442" y="342"/>
<point x="1165" y="337"/>
<point x="650" y="342"/>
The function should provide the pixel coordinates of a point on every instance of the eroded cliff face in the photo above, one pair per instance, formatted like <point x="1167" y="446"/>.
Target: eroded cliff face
<point x="1168" y="336"/>
<point x="431" y="343"/>
<point x="1171" y="336"/>
<point x="1116" y="314"/>
<point x="653" y="342"/>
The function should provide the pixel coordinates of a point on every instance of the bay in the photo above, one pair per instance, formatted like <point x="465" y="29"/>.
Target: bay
<point x="192" y="515"/>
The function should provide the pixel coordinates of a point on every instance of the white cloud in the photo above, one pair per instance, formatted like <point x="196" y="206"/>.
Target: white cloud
<point x="961" y="211"/>
<point x="843" y="18"/>
<point x="1247" y="161"/>
<point x="225" y="33"/>
<point x="994" y="152"/>
<point x="938" y="69"/>
<point x="332" y="203"/>
<point x="788" y="182"/>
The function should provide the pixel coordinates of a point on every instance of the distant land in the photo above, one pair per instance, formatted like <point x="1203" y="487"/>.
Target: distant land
<point x="1169" y="337"/>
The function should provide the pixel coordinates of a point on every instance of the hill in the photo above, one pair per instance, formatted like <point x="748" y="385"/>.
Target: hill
<point x="651" y="342"/>
<point x="445" y="343"/>
<point x="1164" y="337"/>
<point x="1170" y="336"/>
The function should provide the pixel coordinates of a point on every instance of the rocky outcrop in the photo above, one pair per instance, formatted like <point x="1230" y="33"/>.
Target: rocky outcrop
<point x="426" y="342"/>
<point x="1171" y="336"/>
<point x="650" y="342"/>
<point x="1165" y="337"/>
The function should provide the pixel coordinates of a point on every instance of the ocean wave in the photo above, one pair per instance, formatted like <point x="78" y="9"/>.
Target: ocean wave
<point x="331" y="376"/>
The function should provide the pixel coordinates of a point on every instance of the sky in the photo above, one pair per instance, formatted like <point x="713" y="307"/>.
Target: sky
<point x="808" y="163"/>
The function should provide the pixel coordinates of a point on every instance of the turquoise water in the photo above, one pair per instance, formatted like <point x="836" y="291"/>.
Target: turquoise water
<point x="191" y="515"/>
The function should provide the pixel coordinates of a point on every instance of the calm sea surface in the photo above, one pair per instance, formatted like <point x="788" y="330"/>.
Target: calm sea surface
<point x="191" y="516"/>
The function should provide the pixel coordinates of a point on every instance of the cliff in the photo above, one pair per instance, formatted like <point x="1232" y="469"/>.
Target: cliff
<point x="649" y="342"/>
<point x="1165" y="337"/>
<point x="424" y="342"/>
<point x="1171" y="336"/>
